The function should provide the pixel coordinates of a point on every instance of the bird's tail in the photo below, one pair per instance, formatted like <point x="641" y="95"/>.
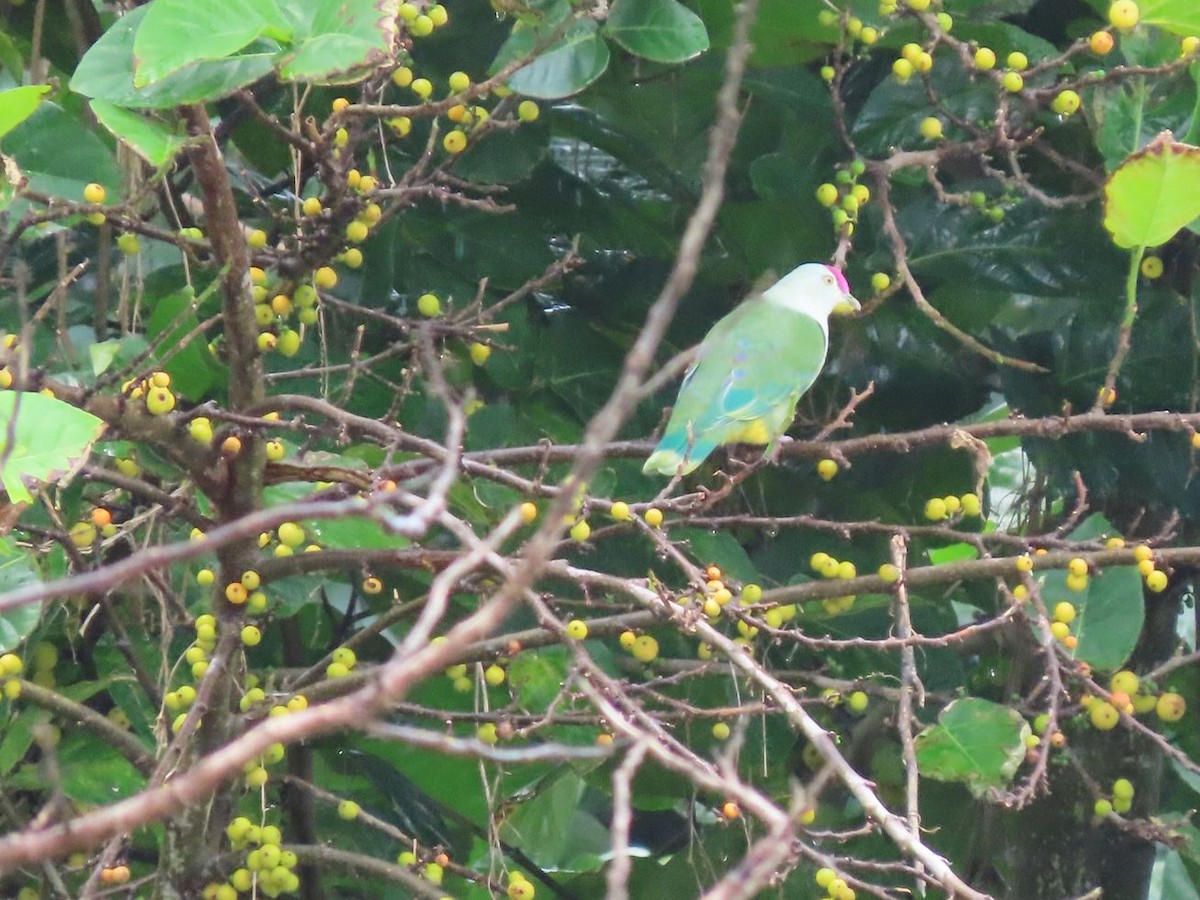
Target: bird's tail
<point x="677" y="454"/>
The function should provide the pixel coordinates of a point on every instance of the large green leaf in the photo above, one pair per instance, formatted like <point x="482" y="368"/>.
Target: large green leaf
<point x="106" y="72"/>
<point x="176" y="33"/>
<point x="192" y="367"/>
<point x="18" y="104"/>
<point x="49" y="439"/>
<point x="1109" y="614"/>
<point x="1179" y="16"/>
<point x="94" y="771"/>
<point x="662" y="30"/>
<point x="338" y="43"/>
<point x="975" y="742"/>
<point x="566" y="67"/>
<point x="556" y="831"/>
<point x="153" y="140"/>
<point x="59" y="155"/>
<point x="1153" y="194"/>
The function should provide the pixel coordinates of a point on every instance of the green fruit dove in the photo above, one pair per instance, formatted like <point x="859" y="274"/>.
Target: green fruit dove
<point x="752" y="368"/>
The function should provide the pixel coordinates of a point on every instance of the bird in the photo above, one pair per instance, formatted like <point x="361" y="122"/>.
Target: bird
<point x="752" y="368"/>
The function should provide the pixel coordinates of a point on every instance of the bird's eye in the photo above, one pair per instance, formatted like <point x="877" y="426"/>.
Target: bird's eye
<point x="829" y="279"/>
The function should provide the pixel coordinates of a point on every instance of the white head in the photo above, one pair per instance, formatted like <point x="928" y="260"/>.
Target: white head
<point x="814" y="289"/>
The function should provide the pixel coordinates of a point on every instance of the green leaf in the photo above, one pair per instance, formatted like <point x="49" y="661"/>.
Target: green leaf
<point x="154" y="141"/>
<point x="975" y="742"/>
<point x="176" y="33"/>
<point x="1109" y="614"/>
<point x="16" y="571"/>
<point x="537" y="676"/>
<point x="556" y="832"/>
<point x="106" y="72"/>
<point x="18" y="104"/>
<point x="49" y="439"/>
<point x="95" y="772"/>
<point x="192" y="368"/>
<point x="720" y="548"/>
<point x="59" y="155"/>
<point x="1153" y="194"/>
<point x="1180" y="16"/>
<point x="566" y="67"/>
<point x="662" y="30"/>
<point x="338" y="43"/>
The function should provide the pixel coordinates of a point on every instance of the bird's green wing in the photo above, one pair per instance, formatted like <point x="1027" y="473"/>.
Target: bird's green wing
<point x="751" y="369"/>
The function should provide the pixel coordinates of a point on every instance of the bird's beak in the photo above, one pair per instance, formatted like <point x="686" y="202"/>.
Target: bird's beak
<point x="846" y="306"/>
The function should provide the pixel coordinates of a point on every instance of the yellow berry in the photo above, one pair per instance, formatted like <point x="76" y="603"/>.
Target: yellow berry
<point x="1017" y="60"/>
<point x="1101" y="43"/>
<point x="889" y="573"/>
<point x="827" y="469"/>
<point x="1152" y="267"/>
<point x="1064" y="612"/>
<point x="311" y="206"/>
<point x="494" y="675"/>
<point x="528" y="111"/>
<point x="1124" y="14"/>
<point x="1125" y="682"/>
<point x="429" y="305"/>
<point x="1156" y="581"/>
<point x="1013" y="82"/>
<point x="94" y="193"/>
<point x="931" y="128"/>
<point x="935" y="509"/>
<point x="721" y="731"/>
<point x="577" y="629"/>
<point x="1170" y="707"/>
<point x="1103" y="715"/>
<point x="529" y="511"/>
<point x="348" y="809"/>
<point x="645" y="649"/>
<point x="985" y="59"/>
<point x="159" y="401"/>
<point x="251" y="635"/>
<point x="454" y="142"/>
<point x="619" y="510"/>
<point x="422" y="87"/>
<point x="653" y="517"/>
<point x="325" y="278"/>
<point x="478" y="352"/>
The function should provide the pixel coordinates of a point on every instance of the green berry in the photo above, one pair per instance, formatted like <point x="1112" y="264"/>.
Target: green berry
<point x="857" y="702"/>
<point x="1013" y="82"/>
<point x="348" y="809"/>
<point x="880" y="282"/>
